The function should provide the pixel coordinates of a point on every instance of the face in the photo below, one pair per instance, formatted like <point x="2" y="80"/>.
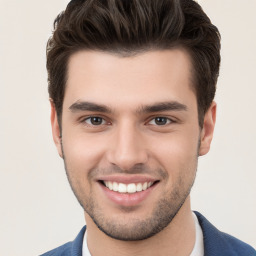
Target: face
<point x="131" y="139"/>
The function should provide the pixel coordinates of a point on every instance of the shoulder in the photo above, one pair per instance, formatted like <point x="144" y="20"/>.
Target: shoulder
<point x="220" y="243"/>
<point x="73" y="248"/>
<point x="63" y="250"/>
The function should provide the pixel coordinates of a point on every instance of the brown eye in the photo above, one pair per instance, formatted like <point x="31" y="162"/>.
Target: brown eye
<point x="160" y="121"/>
<point x="95" y="120"/>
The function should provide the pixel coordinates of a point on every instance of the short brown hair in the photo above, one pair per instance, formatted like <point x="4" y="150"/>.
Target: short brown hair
<point x="127" y="27"/>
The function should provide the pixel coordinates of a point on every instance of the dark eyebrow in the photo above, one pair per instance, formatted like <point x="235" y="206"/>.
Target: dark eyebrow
<point x="163" y="106"/>
<point x="158" y="107"/>
<point x="89" y="106"/>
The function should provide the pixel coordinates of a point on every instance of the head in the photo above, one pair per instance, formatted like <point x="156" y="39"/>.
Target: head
<point x="133" y="102"/>
<point x="127" y="28"/>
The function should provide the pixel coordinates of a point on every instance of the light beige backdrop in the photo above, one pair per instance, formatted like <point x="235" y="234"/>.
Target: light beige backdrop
<point x="37" y="208"/>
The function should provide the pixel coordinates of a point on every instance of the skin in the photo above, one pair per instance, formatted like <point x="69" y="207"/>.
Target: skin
<point x="128" y="143"/>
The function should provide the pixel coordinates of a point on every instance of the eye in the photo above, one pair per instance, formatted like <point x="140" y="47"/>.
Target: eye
<point x="160" y="121"/>
<point x="95" y="121"/>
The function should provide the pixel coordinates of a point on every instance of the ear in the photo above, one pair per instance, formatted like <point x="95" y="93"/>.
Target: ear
<point x="56" y="131"/>
<point x="208" y="129"/>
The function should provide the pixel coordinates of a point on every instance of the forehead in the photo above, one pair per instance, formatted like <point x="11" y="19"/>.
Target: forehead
<point x="143" y="78"/>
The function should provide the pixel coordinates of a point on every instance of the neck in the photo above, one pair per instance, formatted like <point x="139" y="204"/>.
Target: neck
<point x="178" y="238"/>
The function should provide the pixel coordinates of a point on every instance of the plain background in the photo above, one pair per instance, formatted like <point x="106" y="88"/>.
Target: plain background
<point x="37" y="208"/>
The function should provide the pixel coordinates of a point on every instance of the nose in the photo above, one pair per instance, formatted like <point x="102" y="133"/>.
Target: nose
<point x="127" y="147"/>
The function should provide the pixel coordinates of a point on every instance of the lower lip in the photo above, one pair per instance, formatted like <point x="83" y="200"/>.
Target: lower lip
<point x="127" y="199"/>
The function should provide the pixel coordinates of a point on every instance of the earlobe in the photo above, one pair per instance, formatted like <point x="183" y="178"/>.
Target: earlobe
<point x="208" y="129"/>
<point x="56" y="131"/>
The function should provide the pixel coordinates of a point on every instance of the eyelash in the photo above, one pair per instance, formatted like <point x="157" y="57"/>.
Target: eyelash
<point x="93" y="125"/>
<point x="168" y="121"/>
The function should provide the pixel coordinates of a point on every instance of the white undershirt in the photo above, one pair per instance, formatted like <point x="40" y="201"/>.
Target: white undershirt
<point x="85" y="251"/>
<point x="199" y="243"/>
<point x="197" y="251"/>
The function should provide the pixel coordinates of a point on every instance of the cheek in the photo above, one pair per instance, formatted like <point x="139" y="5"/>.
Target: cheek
<point x="82" y="153"/>
<point x="177" y="153"/>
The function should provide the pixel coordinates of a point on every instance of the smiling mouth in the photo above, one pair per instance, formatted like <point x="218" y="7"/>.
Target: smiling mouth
<point x="128" y="188"/>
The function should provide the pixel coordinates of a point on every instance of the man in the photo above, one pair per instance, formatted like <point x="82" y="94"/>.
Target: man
<point x="132" y="85"/>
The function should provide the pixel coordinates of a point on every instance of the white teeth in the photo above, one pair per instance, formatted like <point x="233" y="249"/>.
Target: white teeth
<point x="122" y="188"/>
<point x="110" y="185"/>
<point x="139" y="187"/>
<point x="150" y="184"/>
<point x="145" y="186"/>
<point x="127" y="188"/>
<point x="131" y="188"/>
<point x="115" y="186"/>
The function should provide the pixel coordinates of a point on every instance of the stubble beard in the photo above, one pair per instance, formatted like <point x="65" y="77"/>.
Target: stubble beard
<point x="135" y="229"/>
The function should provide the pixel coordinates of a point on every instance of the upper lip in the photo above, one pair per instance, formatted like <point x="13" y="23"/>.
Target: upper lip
<point x="127" y="179"/>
